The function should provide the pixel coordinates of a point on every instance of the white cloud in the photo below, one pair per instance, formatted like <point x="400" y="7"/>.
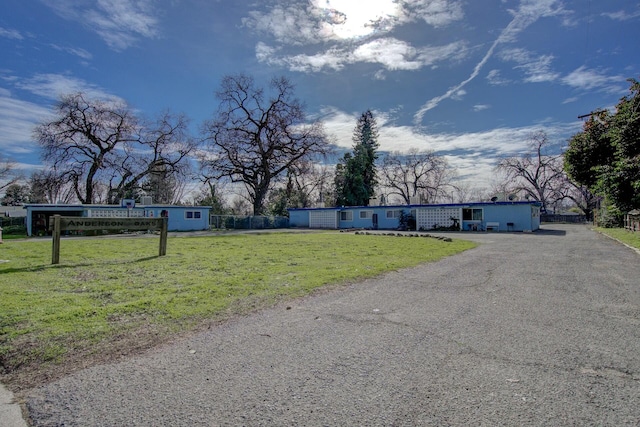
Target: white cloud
<point x="120" y="23"/>
<point x="481" y="107"/>
<point x="79" y="52"/>
<point x="293" y="24"/>
<point x="536" y="68"/>
<point x="17" y="120"/>
<point x="495" y="78"/>
<point x="346" y="20"/>
<point x="10" y="34"/>
<point x="586" y="79"/>
<point x="437" y="13"/>
<point x="51" y="86"/>
<point x="622" y="15"/>
<point x="391" y="53"/>
<point x="18" y="117"/>
<point x="345" y="32"/>
<point x="473" y="154"/>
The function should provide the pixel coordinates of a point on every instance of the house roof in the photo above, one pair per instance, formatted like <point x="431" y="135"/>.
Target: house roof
<point x="441" y="205"/>
<point x="98" y="206"/>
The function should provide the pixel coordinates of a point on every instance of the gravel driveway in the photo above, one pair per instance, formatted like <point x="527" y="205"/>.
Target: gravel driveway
<point x="526" y="329"/>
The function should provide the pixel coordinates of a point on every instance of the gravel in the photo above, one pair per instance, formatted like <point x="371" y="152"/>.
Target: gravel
<point x="527" y="329"/>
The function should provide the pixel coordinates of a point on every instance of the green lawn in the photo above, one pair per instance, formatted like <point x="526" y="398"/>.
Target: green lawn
<point x="625" y="236"/>
<point x="110" y="296"/>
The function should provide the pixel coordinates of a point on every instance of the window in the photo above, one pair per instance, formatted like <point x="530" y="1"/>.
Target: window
<point x="193" y="214"/>
<point x="393" y="214"/>
<point x="346" y="216"/>
<point x="366" y="214"/>
<point x="470" y="214"/>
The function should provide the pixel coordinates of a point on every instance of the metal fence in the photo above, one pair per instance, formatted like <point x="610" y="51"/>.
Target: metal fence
<point x="574" y="219"/>
<point x="13" y="225"/>
<point x="248" y="222"/>
<point x="16" y="220"/>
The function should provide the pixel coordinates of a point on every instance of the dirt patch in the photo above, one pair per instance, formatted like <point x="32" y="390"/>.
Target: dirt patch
<point x="20" y="376"/>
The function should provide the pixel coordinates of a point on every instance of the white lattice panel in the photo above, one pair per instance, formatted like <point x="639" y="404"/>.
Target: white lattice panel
<point x="429" y="218"/>
<point x="323" y="219"/>
<point x="115" y="213"/>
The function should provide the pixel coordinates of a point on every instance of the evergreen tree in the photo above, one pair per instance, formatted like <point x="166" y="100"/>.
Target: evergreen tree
<point x="356" y="178"/>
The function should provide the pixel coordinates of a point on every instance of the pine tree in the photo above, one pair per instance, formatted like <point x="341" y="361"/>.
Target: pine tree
<point x="356" y="178"/>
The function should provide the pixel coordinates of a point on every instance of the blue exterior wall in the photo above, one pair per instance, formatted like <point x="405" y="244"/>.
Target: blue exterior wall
<point x="181" y="218"/>
<point x="500" y="216"/>
<point x="523" y="216"/>
<point x="299" y="218"/>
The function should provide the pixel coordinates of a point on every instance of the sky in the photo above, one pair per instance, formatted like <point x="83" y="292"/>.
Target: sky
<point x="471" y="80"/>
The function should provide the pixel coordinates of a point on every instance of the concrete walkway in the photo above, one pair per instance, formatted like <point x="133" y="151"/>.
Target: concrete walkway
<point x="10" y="412"/>
<point x="528" y="329"/>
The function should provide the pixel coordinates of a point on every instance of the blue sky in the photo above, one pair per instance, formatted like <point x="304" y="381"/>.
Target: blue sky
<point x="469" y="79"/>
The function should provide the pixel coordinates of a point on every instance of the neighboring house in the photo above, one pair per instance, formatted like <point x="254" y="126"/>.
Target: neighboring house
<point x="481" y="216"/>
<point x="12" y="211"/>
<point x="181" y="218"/>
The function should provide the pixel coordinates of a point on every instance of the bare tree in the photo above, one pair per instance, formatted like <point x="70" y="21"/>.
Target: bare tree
<point x="7" y="173"/>
<point x="86" y="138"/>
<point x="48" y="186"/>
<point x="420" y="174"/>
<point x="100" y="147"/>
<point x="580" y="195"/>
<point x="254" y="138"/>
<point x="538" y="174"/>
<point x="160" y="155"/>
<point x="464" y="192"/>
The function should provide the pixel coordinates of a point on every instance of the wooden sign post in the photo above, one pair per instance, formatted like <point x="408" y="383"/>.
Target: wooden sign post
<point x="74" y="223"/>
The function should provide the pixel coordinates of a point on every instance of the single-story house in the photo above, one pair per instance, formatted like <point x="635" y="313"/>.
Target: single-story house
<point x="480" y="216"/>
<point x="181" y="218"/>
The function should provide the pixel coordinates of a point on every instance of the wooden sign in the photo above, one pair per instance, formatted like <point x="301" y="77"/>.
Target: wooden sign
<point x="75" y="223"/>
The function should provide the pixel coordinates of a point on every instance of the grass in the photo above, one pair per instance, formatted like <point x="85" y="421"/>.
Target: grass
<point x="625" y="236"/>
<point x="13" y="236"/>
<point x="114" y="296"/>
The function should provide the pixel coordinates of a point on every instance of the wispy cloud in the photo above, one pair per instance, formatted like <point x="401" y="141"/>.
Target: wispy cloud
<point x="623" y="15"/>
<point x="18" y="117"/>
<point x="120" y="23"/>
<point x="537" y="69"/>
<point x="10" y="34"/>
<point x="17" y="120"/>
<point x="481" y="107"/>
<point x="391" y="53"/>
<point x="52" y="86"/>
<point x="529" y="12"/>
<point x="584" y="78"/>
<point x="494" y="77"/>
<point x="79" y="52"/>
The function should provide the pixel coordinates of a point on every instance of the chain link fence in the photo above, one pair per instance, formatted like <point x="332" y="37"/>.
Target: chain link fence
<point x="13" y="225"/>
<point x="247" y="222"/>
<point x="572" y="219"/>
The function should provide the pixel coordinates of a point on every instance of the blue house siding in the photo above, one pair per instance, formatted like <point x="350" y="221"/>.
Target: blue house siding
<point x="495" y="216"/>
<point x="181" y="218"/>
